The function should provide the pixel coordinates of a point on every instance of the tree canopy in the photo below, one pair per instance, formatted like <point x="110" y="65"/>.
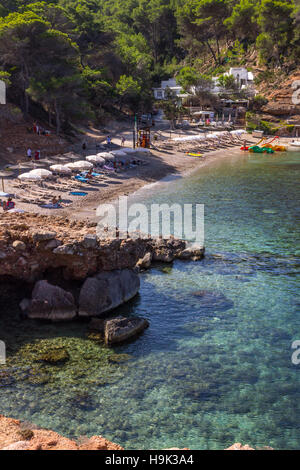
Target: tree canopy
<point x="88" y="57"/>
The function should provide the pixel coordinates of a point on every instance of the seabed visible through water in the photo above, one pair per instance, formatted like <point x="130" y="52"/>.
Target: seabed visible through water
<point x="215" y="365"/>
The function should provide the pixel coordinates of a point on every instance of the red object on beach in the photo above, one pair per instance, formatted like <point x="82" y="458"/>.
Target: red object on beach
<point x="244" y="148"/>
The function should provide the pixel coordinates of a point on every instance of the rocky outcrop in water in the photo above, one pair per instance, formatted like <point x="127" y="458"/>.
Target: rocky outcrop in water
<point x="98" y="295"/>
<point x="106" y="291"/>
<point x="14" y="436"/>
<point x="28" y="249"/>
<point x="118" y="330"/>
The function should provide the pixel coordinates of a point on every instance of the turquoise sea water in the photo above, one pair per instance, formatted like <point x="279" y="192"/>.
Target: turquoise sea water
<point x="215" y="366"/>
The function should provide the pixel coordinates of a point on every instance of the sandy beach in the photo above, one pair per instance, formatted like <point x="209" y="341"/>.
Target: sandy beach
<point x="165" y="160"/>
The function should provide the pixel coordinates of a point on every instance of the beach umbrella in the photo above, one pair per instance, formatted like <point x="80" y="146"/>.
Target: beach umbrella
<point x="41" y="172"/>
<point x="128" y="150"/>
<point x="61" y="169"/>
<point x="70" y="166"/>
<point x="105" y="155"/>
<point x="95" y="159"/>
<point x="82" y="165"/>
<point x="29" y="177"/>
<point x="119" y="153"/>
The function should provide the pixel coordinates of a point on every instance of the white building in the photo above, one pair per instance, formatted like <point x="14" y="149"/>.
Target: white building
<point x="160" y="93"/>
<point x="243" y="78"/>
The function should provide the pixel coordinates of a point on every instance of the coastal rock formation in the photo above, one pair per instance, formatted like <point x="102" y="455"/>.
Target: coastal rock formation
<point x="11" y="431"/>
<point x="144" y="263"/>
<point x="239" y="446"/>
<point x="106" y="291"/>
<point x="73" y="249"/>
<point x="118" y="330"/>
<point x="51" y="303"/>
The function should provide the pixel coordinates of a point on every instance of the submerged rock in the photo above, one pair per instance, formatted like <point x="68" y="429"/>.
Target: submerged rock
<point x="106" y="291"/>
<point x="194" y="253"/>
<point x="119" y="358"/>
<point x="121" y="329"/>
<point x="213" y="300"/>
<point x="55" y="356"/>
<point x="51" y="303"/>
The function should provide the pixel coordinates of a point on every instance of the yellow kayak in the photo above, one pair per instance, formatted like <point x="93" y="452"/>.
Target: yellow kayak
<point x="195" y="155"/>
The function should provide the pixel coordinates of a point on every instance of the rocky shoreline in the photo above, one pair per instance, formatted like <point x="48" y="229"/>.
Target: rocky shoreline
<point x="72" y="273"/>
<point x="28" y="249"/>
<point x="15" y="436"/>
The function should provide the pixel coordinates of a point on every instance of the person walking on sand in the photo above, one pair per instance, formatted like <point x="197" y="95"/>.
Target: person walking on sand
<point x="29" y="153"/>
<point x="122" y="141"/>
<point x="37" y="155"/>
<point x="108" y="141"/>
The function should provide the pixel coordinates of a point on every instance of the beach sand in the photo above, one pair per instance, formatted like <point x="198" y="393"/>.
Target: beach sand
<point x="162" y="162"/>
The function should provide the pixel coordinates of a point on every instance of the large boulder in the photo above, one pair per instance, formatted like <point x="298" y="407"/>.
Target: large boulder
<point x="106" y="291"/>
<point x="120" y="329"/>
<point x="51" y="303"/>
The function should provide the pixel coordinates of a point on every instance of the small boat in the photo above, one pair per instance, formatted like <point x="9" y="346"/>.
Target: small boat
<point x="294" y="146"/>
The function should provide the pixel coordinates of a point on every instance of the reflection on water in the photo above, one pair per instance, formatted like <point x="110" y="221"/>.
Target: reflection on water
<point x="215" y="365"/>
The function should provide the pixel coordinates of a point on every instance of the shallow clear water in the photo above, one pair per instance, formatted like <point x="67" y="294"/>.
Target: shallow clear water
<point x="212" y="369"/>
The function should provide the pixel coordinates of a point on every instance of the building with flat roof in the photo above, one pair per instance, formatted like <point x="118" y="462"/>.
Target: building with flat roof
<point x="243" y="78"/>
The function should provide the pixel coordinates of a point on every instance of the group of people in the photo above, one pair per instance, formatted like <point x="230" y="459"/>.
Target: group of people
<point x="37" y="129"/>
<point x="7" y="205"/>
<point x="36" y="155"/>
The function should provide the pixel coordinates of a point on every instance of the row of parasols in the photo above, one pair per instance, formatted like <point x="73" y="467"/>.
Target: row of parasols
<point x="81" y="165"/>
<point x="214" y="136"/>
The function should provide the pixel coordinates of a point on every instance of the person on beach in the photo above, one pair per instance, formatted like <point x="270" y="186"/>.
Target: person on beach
<point x="9" y="205"/>
<point x="84" y="146"/>
<point x="108" y="141"/>
<point x="122" y="141"/>
<point x="56" y="202"/>
<point x="89" y="174"/>
<point x="29" y="153"/>
<point x="37" y="155"/>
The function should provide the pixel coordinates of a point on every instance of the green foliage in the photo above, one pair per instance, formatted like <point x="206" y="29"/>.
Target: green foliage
<point x="258" y="102"/>
<point x="86" y="57"/>
<point x="227" y="82"/>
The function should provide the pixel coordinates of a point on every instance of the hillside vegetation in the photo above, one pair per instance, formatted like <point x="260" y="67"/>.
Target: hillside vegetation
<point x="76" y="59"/>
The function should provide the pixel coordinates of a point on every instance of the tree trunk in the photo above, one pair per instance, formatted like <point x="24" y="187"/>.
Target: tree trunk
<point x="57" y="114"/>
<point x="211" y="51"/>
<point x="26" y="84"/>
